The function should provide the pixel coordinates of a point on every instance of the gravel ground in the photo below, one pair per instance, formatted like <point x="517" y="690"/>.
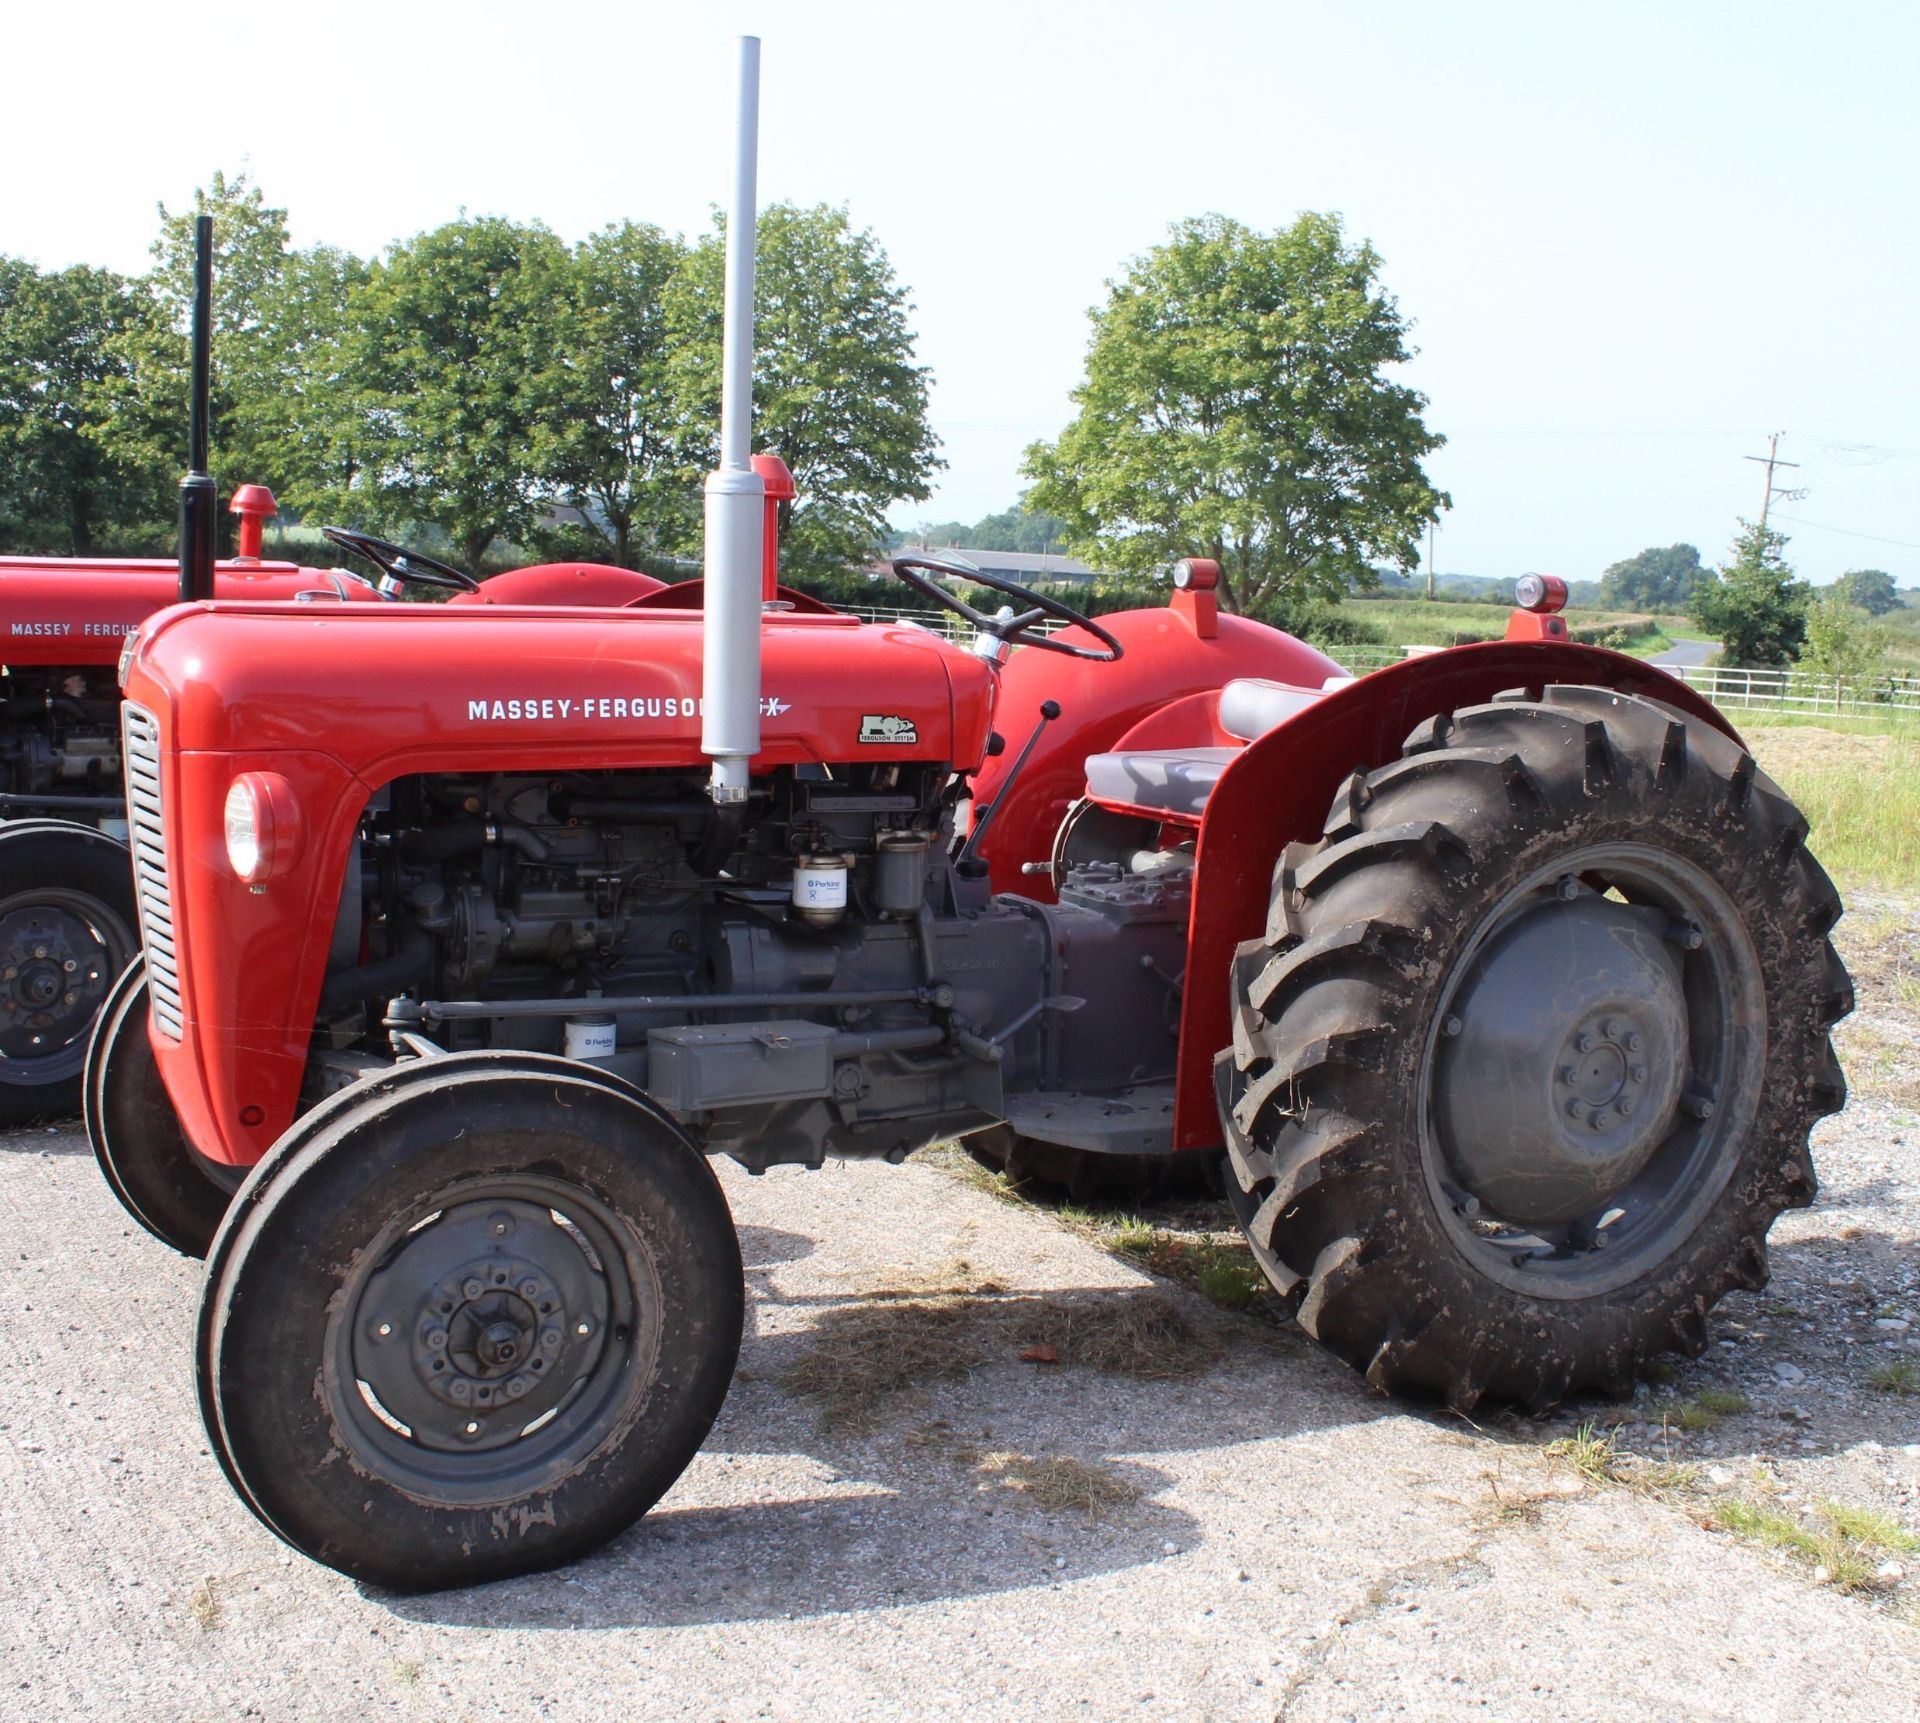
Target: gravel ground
<point x="1262" y="1538"/>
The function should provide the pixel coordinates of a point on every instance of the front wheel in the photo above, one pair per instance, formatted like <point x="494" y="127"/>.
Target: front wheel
<point x="1525" y="1067"/>
<point x="67" y="930"/>
<point x="171" y="1189"/>
<point x="470" y="1325"/>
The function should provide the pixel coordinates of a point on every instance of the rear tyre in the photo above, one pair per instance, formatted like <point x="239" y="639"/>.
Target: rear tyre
<point x="67" y="930"/>
<point x="473" y="1326"/>
<point x="1525" y="1066"/>
<point x="171" y="1189"/>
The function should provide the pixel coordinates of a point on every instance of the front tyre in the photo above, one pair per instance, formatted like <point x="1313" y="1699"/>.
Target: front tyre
<point x="171" y="1189"/>
<point x="476" y="1326"/>
<point x="1525" y="1067"/>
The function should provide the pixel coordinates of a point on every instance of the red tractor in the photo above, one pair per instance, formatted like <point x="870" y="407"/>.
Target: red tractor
<point x="1501" y="975"/>
<point x="66" y="890"/>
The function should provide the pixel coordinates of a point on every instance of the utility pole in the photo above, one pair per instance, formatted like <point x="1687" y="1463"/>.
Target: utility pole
<point x="1770" y="460"/>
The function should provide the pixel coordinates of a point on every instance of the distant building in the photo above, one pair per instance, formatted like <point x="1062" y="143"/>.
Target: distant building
<point x="1026" y="567"/>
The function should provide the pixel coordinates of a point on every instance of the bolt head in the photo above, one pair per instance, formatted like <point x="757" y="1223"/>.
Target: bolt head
<point x="1624" y="1106"/>
<point x="1598" y="1120"/>
<point x="1568" y="888"/>
<point x="529" y="1289"/>
<point x="1568" y="1073"/>
<point x="1639" y="1073"/>
<point x="1582" y="1042"/>
<point x="461" y="1391"/>
<point x="1610" y="1029"/>
<point x="1635" y="1043"/>
<point x="473" y="1286"/>
<point x="1451" y="1026"/>
<point x="1573" y="1109"/>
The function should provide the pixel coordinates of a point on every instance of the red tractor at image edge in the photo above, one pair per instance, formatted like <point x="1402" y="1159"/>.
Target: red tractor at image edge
<point x="67" y="919"/>
<point x="1502" y="977"/>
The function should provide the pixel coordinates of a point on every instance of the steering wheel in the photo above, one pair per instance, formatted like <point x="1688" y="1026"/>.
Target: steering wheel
<point x="1011" y="629"/>
<point x="396" y="562"/>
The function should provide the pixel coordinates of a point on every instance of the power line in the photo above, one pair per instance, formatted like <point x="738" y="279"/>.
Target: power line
<point x="1846" y="532"/>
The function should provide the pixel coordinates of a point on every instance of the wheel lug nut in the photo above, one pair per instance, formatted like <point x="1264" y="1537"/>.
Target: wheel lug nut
<point x="1597" y="1120"/>
<point x="1610" y="1029"/>
<point x="550" y="1339"/>
<point x="1573" y="1109"/>
<point x="516" y="1388"/>
<point x="473" y="1286"/>
<point x="1639" y="1073"/>
<point x="69" y="966"/>
<point x="1567" y="1073"/>
<point x="1700" y="1106"/>
<point x="39" y="951"/>
<point x="436" y="1339"/>
<point x="1582" y="1042"/>
<point x="460" y="1391"/>
<point x="529" y="1290"/>
<point x="1623" y="1106"/>
<point x="1635" y="1043"/>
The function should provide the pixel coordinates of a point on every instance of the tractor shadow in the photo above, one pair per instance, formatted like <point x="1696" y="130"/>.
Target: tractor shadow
<point x="887" y="1448"/>
<point x="58" y="1134"/>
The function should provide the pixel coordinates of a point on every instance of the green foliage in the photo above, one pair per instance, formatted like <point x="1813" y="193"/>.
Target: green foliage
<point x="837" y="395"/>
<point x="1236" y="405"/>
<point x="1869" y="589"/>
<point x="617" y="452"/>
<point x="1842" y="641"/>
<point x="1653" y="580"/>
<point x="62" y="491"/>
<point x="1754" y="606"/>
<point x="457" y="355"/>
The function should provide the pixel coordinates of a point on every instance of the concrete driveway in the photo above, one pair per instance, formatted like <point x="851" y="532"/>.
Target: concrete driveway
<point x="1262" y="1538"/>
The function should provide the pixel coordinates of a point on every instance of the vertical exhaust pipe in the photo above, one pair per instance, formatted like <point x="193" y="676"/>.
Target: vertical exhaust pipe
<point x="735" y="493"/>
<point x="199" y="501"/>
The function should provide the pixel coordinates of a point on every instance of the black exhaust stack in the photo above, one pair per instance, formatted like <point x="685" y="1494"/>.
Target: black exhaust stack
<point x="199" y="501"/>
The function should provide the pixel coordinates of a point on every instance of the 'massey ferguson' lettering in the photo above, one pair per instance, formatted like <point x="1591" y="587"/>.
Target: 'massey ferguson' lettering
<point x="598" y="706"/>
<point x="91" y="630"/>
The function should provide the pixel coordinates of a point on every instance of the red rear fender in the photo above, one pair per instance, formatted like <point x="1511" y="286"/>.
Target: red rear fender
<point x="1279" y="789"/>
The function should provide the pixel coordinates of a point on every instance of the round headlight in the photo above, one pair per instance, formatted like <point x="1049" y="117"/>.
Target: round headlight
<point x="262" y="827"/>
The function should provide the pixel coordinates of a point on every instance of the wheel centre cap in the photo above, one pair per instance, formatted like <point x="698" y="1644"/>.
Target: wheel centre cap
<point x="1568" y="1066"/>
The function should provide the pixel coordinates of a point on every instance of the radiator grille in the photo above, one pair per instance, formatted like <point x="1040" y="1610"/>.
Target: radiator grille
<point x="146" y="829"/>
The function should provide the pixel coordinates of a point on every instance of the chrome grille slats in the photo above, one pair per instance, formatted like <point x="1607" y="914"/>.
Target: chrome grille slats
<point x="146" y="828"/>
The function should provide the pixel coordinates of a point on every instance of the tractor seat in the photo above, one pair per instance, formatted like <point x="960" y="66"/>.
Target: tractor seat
<point x="1177" y="781"/>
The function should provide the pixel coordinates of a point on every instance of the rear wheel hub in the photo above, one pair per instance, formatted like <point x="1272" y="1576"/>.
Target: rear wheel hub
<point x="1567" y="1067"/>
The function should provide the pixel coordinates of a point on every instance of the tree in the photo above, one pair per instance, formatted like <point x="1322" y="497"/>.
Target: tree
<point x="616" y="453"/>
<point x="61" y="490"/>
<point x="457" y="358"/>
<point x="1754" y="606"/>
<point x="1653" y="580"/>
<point x="1842" y="640"/>
<point x="1870" y="589"/>
<point x="837" y="395"/>
<point x="1237" y="405"/>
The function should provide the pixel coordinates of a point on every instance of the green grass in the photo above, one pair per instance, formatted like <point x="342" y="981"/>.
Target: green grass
<point x="1845" y="1552"/>
<point x="1860" y="793"/>
<point x="1418" y="622"/>
<point x="1896" y="1376"/>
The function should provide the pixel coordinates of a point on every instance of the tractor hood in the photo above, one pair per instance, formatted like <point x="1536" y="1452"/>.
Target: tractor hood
<point x="395" y="689"/>
<point x="56" y="610"/>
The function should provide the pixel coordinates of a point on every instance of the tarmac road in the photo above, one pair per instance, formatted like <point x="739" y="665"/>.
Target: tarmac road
<point x="1299" y="1548"/>
<point x="1683" y="652"/>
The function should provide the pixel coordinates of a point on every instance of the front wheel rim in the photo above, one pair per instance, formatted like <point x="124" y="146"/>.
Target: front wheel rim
<point x="491" y="1340"/>
<point x="1668" y="1165"/>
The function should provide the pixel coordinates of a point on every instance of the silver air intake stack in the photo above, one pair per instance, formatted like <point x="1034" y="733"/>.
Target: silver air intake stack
<point x="735" y="494"/>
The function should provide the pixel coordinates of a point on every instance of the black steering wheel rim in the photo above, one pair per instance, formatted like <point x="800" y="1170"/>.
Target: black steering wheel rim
<point x="1012" y="629"/>
<point x="396" y="562"/>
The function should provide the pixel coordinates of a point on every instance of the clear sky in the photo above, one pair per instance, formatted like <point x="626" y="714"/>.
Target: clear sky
<point x="1634" y="239"/>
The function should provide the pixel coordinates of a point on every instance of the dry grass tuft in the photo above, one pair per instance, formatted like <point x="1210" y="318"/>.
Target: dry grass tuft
<point x="1137" y="1334"/>
<point x="1059" y="1483"/>
<point x="863" y="1355"/>
<point x="1591" y="1453"/>
<point x="205" y="1604"/>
